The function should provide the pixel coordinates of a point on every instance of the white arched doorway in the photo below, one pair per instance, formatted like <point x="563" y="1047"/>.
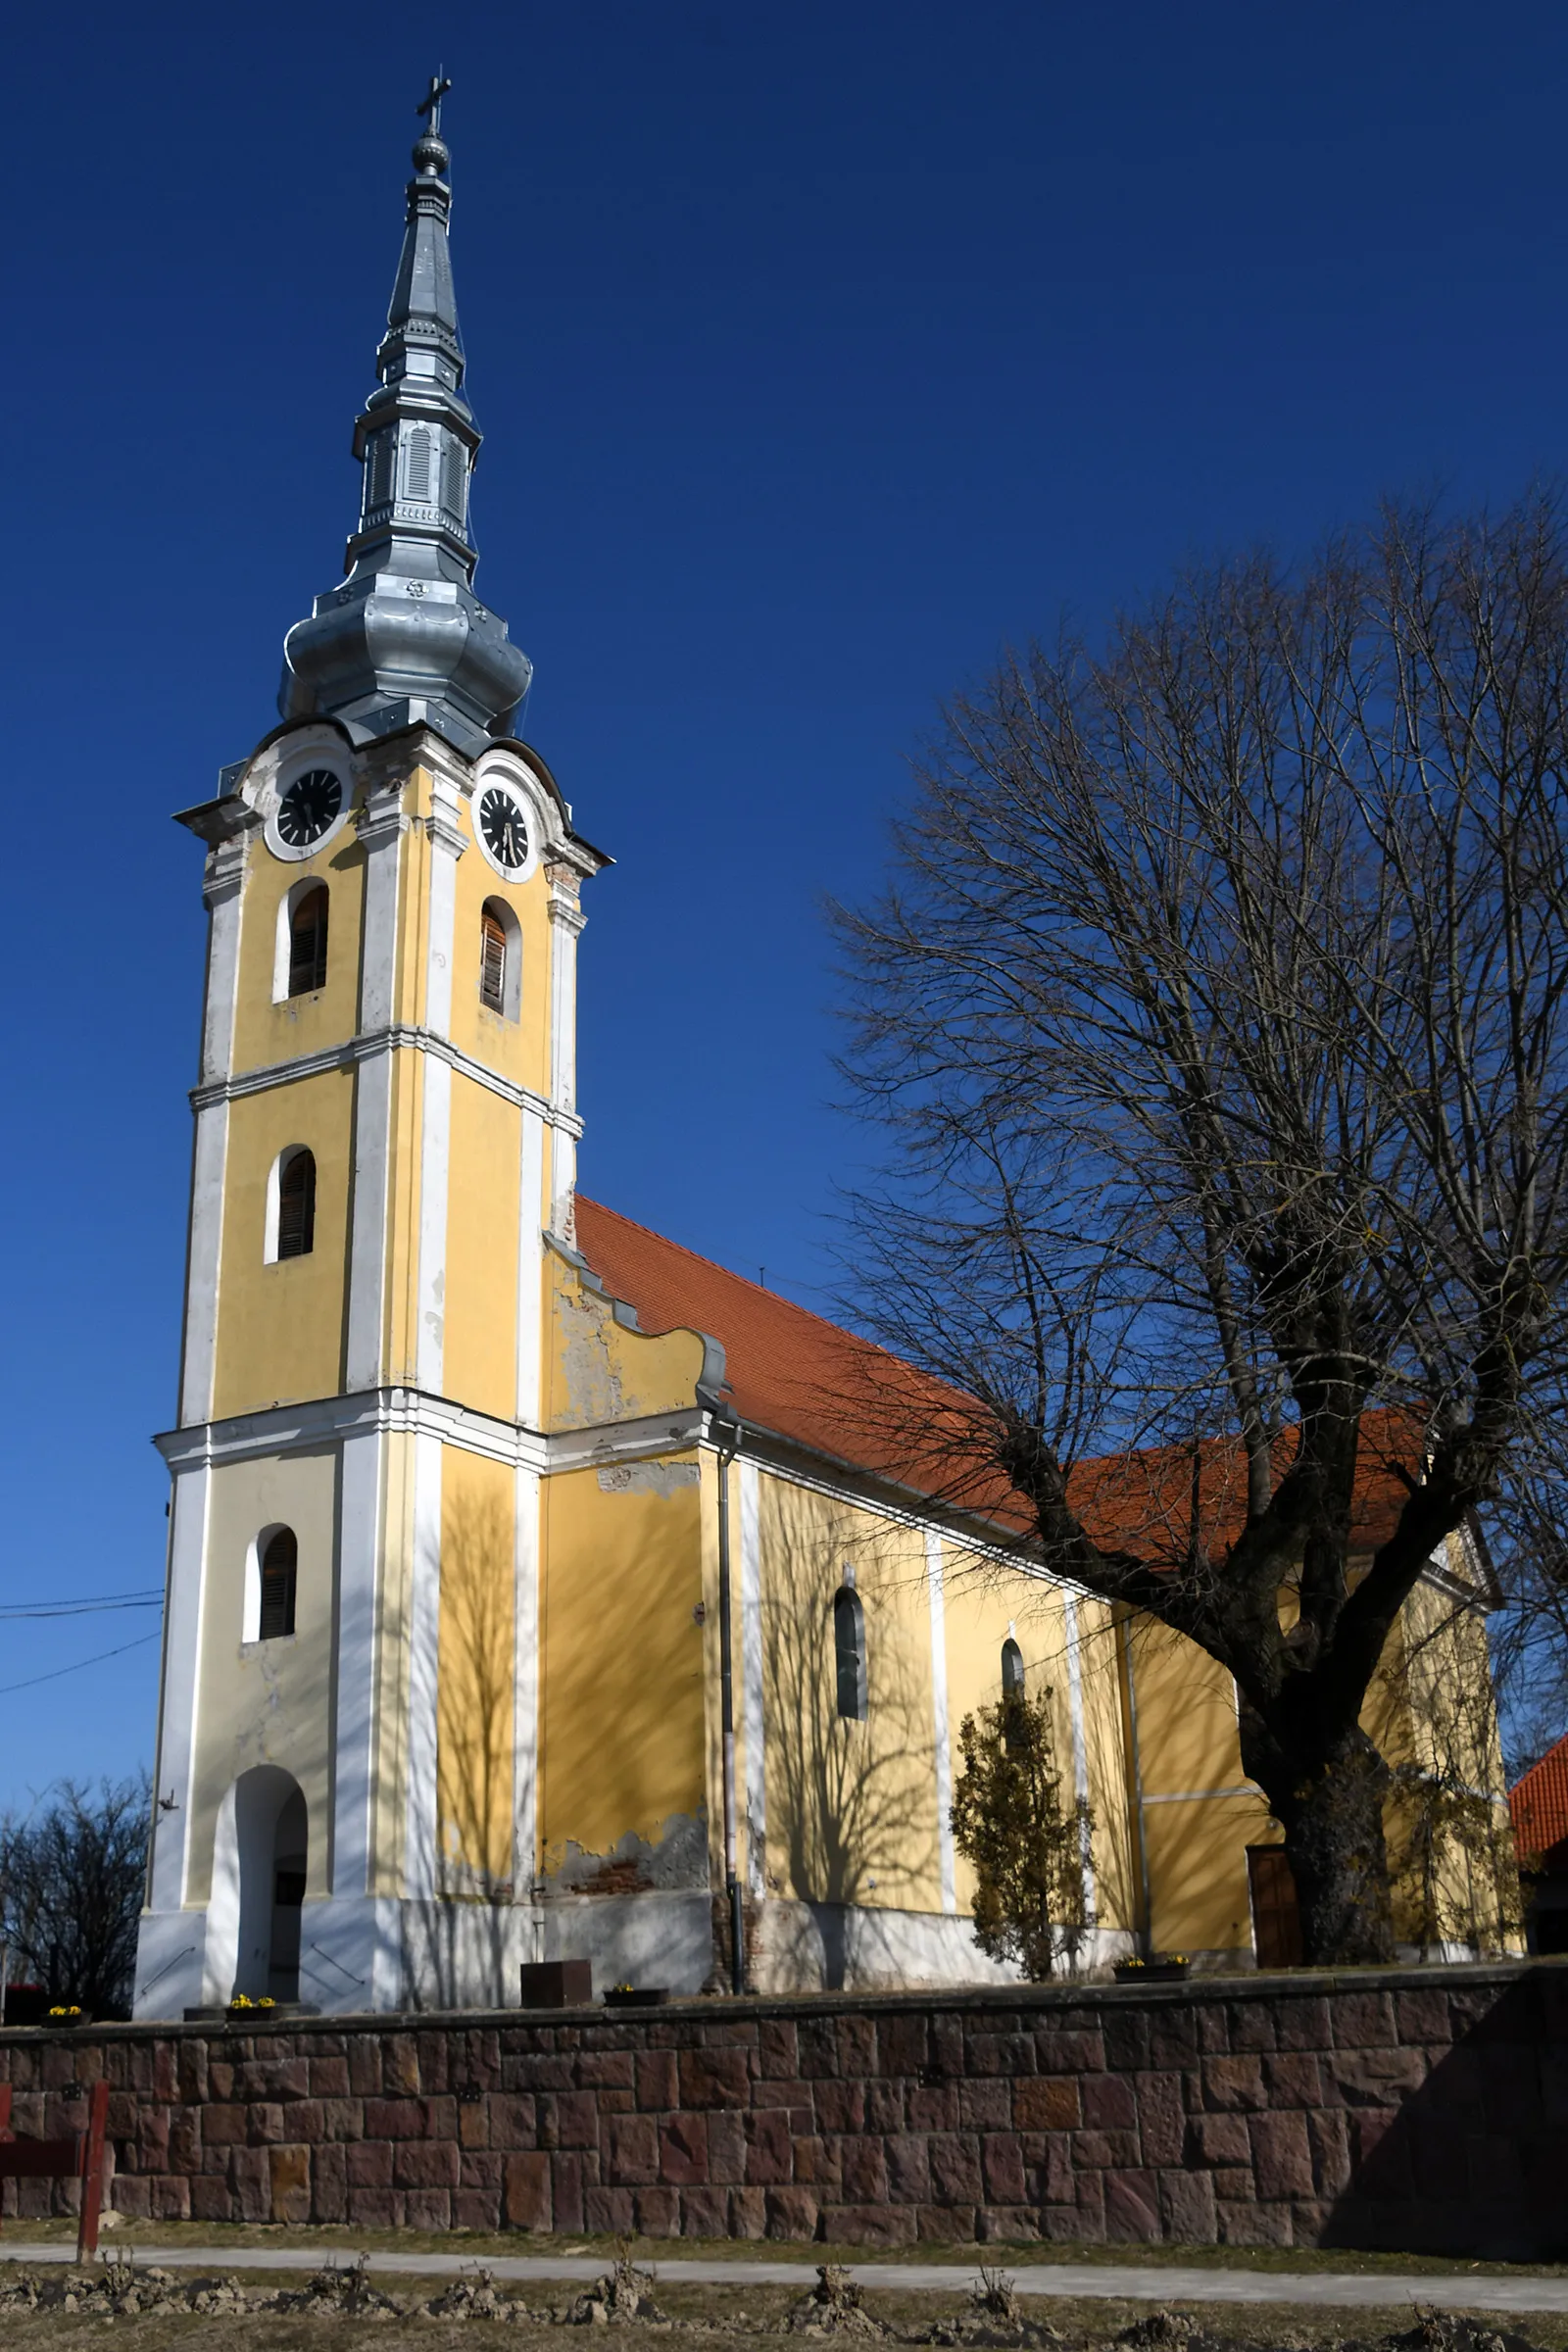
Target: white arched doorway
<point x="259" y="1858"/>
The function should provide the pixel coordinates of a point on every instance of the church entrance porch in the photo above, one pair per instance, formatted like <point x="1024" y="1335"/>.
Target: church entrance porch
<point x="260" y="1859"/>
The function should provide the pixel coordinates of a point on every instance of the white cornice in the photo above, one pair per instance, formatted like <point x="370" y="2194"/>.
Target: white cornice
<point x="400" y="1037"/>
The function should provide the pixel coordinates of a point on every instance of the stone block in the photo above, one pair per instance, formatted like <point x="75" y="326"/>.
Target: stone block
<point x="566" y="2188"/>
<point x="1422" y="2017"/>
<point x="791" y="2214"/>
<point x="657" y="2212"/>
<point x="1161" y="2117"/>
<point x="342" y="2119"/>
<point x="1132" y="2207"/>
<point x="364" y="2066"/>
<point x="1217" y="2139"/>
<point x="633" y="2150"/>
<point x="610" y="2070"/>
<point x="908" y="2164"/>
<point x="368" y="2164"/>
<point x="1126" y="2033"/>
<point x="329" y="2078"/>
<point x="394" y="2119"/>
<point x="608" y="2212"/>
<point x="656" y="2080"/>
<point x="1234" y="2082"/>
<point x="1063" y="2053"/>
<point x="264" y="2122"/>
<point x="512" y="2118"/>
<point x="1187" y="2208"/>
<point x="1302" y="2021"/>
<point x="1282" y="2157"/>
<point x="1045" y="2103"/>
<point x="1094" y="2151"/>
<point x="169" y="2199"/>
<point x="476" y="2209"/>
<point x="987" y="2105"/>
<point x="1252" y="2025"/>
<point x="1328" y="2133"/>
<point x="1006" y="2224"/>
<point x="132" y="2195"/>
<point x="424" y="2208"/>
<point x="1109" y="2103"/>
<point x="839" y="2106"/>
<point x="289" y="2166"/>
<point x="1293" y="2078"/>
<point x="726" y="2149"/>
<point x="863" y="2172"/>
<point x="400" y="2064"/>
<point x="426" y="2164"/>
<point x="931" y="2107"/>
<point x="901" y="2047"/>
<point x="1172" y="2037"/>
<point x="711" y="2078"/>
<point x="867" y="2225"/>
<point x="1361" y="2021"/>
<point x="1373" y="2078"/>
<point x="748" y="2212"/>
<point x="1245" y="2225"/>
<point x="704" y="2212"/>
<point x="374" y="2208"/>
<point x="575" y="2119"/>
<point x="222" y="2125"/>
<point x="683" y="2151"/>
<point x="777" y="2049"/>
<point x="250" y="2174"/>
<point x="884" y="2105"/>
<point x="768" y="2147"/>
<point x="330" y="2188"/>
<point x="954" y="2161"/>
<point x="1002" y="2169"/>
<point x="211" y="2199"/>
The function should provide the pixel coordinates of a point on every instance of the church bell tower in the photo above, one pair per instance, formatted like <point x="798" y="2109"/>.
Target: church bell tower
<point x="385" y="1135"/>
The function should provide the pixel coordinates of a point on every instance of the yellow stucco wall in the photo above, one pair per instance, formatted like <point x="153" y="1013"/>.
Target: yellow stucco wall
<point x="518" y="1049"/>
<point x="266" y="1703"/>
<point x="622" y="1658"/>
<point x="267" y="1032"/>
<point x="480" y="1359"/>
<point x="477" y="1647"/>
<point x="596" y="1370"/>
<point x="852" y="1813"/>
<point x="280" y="1326"/>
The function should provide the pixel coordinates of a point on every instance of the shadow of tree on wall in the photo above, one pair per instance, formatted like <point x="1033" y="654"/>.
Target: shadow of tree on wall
<point x="851" y="1805"/>
<point x="1455" y="2140"/>
<point x="458" y="1947"/>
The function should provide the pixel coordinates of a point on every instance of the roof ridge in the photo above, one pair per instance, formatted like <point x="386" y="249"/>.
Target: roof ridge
<point x="775" y="1298"/>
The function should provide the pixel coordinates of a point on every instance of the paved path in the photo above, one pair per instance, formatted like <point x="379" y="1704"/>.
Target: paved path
<point x="1147" y="2283"/>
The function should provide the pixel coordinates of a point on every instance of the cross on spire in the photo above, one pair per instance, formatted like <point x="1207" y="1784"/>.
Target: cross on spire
<point x="431" y="103"/>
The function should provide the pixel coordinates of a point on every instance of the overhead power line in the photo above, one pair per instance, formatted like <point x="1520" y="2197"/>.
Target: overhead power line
<point x="82" y="1609"/>
<point x="33" y="1680"/>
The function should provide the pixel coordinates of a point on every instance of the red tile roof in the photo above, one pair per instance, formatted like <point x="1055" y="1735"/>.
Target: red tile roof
<point x="1539" y="1804"/>
<point x="803" y="1378"/>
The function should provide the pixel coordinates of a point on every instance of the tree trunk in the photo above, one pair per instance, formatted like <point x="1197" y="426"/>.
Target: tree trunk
<point x="1331" y="1810"/>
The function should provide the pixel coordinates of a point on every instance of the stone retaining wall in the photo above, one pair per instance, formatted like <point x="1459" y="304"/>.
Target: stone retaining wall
<point x="1415" y="2109"/>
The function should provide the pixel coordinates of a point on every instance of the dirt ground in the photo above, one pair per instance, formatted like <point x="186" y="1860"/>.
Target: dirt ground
<point x="48" y="2309"/>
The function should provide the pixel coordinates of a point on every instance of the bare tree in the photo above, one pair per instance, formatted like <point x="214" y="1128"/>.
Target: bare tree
<point x="1215" y="1016"/>
<point x="70" y="1893"/>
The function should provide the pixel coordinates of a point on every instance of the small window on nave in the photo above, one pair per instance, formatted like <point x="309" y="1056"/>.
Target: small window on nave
<point x="296" y="1205"/>
<point x="307" y="943"/>
<point x="1011" y="1669"/>
<point x="279" y="1578"/>
<point x="849" y="1650"/>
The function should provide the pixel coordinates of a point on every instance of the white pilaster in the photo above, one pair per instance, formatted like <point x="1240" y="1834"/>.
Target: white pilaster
<point x="361" y="1516"/>
<point x="1080" y="1753"/>
<point x="566" y="921"/>
<point x="221" y="887"/>
<point x="947" y="1860"/>
<point x="530" y="1268"/>
<point x="525" y="1687"/>
<point x="180" y="1680"/>
<point x="447" y="846"/>
<point x="382" y="827"/>
<point x="752" y="1679"/>
<point x="422" y="1816"/>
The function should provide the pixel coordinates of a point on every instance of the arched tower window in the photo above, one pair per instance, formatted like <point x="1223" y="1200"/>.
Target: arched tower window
<point x="307" y="941"/>
<point x="849" y="1650"/>
<point x="500" y="960"/>
<point x="296" y="1205"/>
<point x="1011" y="1669"/>
<point x="280" y="1577"/>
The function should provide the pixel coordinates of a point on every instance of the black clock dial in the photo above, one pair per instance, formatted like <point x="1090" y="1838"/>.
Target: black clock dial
<point x="501" y="822"/>
<point x="309" y="804"/>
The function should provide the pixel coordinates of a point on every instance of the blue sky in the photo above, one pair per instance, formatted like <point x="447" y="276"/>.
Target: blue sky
<point x="819" y="351"/>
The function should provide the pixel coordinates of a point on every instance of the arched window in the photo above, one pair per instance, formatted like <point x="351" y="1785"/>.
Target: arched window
<point x="279" y="1575"/>
<point x="500" y="960"/>
<point x="307" y="941"/>
<point x="492" y="963"/>
<point x="1011" y="1669"/>
<point x="296" y="1205"/>
<point x="849" y="1650"/>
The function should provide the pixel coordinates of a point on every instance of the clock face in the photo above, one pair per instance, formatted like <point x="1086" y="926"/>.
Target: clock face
<point x="506" y="834"/>
<point x="309" y="807"/>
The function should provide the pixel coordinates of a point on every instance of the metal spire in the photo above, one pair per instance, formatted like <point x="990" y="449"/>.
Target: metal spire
<point x="405" y="638"/>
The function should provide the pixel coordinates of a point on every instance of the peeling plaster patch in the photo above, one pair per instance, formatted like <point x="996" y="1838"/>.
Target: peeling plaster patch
<point x="677" y="1858"/>
<point x="649" y="1478"/>
<point x="593" y="1380"/>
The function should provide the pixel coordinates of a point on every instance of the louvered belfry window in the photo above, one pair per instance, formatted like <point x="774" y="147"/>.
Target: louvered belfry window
<point x="307" y="943"/>
<point x="296" y="1207"/>
<point x="492" y="963"/>
<point x="280" y="1576"/>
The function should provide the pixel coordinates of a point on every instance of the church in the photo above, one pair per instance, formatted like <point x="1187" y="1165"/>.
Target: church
<point x="537" y="1589"/>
